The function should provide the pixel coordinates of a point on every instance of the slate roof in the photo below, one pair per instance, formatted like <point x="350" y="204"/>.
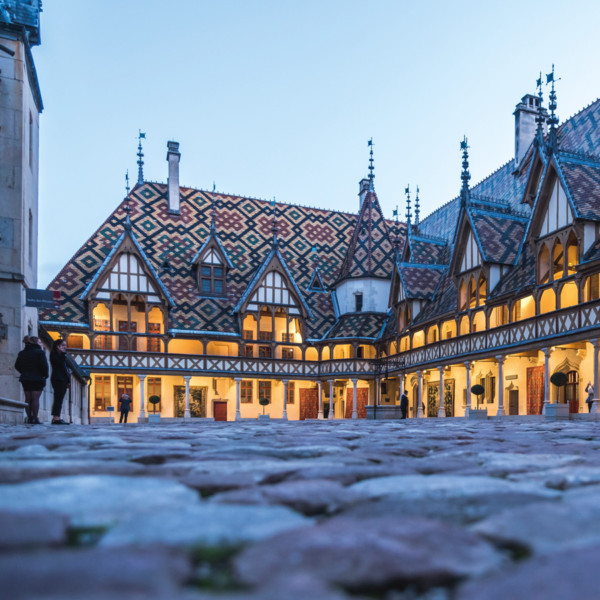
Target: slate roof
<point x="366" y="325"/>
<point x="519" y="278"/>
<point x="583" y="183"/>
<point x="428" y="250"/>
<point x="420" y="282"/>
<point x="444" y="301"/>
<point x="581" y="133"/>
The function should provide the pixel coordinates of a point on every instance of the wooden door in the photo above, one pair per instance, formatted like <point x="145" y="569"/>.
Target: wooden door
<point x="220" y="410"/>
<point x="309" y="403"/>
<point x="535" y="390"/>
<point x="572" y="391"/>
<point x="513" y="402"/>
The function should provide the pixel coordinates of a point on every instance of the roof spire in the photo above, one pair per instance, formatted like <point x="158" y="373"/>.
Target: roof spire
<point x="553" y="119"/>
<point x="396" y="232"/>
<point x="213" y="208"/>
<point x="127" y="225"/>
<point x="371" y="167"/>
<point x="274" y="229"/>
<point x="408" y="215"/>
<point x="417" y="209"/>
<point x="540" y="118"/>
<point x="465" y="175"/>
<point x="127" y="188"/>
<point x="140" y="162"/>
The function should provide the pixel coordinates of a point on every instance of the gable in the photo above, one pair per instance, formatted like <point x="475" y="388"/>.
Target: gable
<point x="273" y="289"/>
<point x="557" y="213"/>
<point x="127" y="275"/>
<point x="471" y="257"/>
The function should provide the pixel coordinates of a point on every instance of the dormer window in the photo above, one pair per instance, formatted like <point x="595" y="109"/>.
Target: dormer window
<point x="211" y="274"/>
<point x="358" y="302"/>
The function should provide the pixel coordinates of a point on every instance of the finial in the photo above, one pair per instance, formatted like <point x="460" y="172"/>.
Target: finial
<point x="127" y="189"/>
<point x="127" y="214"/>
<point x="213" y="208"/>
<point x="371" y="167"/>
<point x="396" y="231"/>
<point x="553" y="119"/>
<point x="274" y="229"/>
<point x="140" y="162"/>
<point x="417" y="209"/>
<point x="465" y="175"/>
<point x="408" y="215"/>
<point x="540" y="118"/>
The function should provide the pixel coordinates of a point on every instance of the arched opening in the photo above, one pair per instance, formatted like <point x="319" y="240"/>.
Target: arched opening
<point x="101" y="322"/>
<point x="432" y="334"/>
<point x="342" y="351"/>
<point x="572" y="391"/>
<point x="311" y="354"/>
<point x="464" y="325"/>
<point x="572" y="253"/>
<point x="547" y="301"/>
<point x="558" y="260"/>
<point x="78" y="341"/>
<point x="591" y="287"/>
<point x="498" y="316"/>
<point x="448" y="329"/>
<point x="183" y="346"/>
<point x="482" y="290"/>
<point x="472" y="293"/>
<point x="568" y="295"/>
<point x="249" y="327"/>
<point x="462" y="295"/>
<point x="222" y="349"/>
<point x="418" y="339"/>
<point x="543" y="265"/>
<point x="155" y="328"/>
<point x="404" y="343"/>
<point x="325" y="353"/>
<point x="478" y="321"/>
<point x="524" y="308"/>
<point x="265" y="332"/>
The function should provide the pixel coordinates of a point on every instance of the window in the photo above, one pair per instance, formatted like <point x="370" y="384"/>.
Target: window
<point x="102" y="342"/>
<point x="248" y="351"/>
<point x="291" y="389"/>
<point x="265" y="352"/>
<point x="212" y="279"/>
<point x="462" y="296"/>
<point x="265" y="336"/>
<point x="572" y="254"/>
<point x="360" y="352"/>
<point x="124" y="343"/>
<point x="264" y="390"/>
<point x="154" y="343"/>
<point x="101" y="392"/>
<point x="287" y="353"/>
<point x="246" y="391"/>
<point x="75" y="341"/>
<point x="154" y="389"/>
<point x="592" y="287"/>
<point x="287" y="337"/>
<point x="358" y="302"/>
<point x="248" y="334"/>
<point x="124" y="386"/>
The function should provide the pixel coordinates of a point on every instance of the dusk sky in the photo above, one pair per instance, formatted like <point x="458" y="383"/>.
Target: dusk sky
<point x="274" y="98"/>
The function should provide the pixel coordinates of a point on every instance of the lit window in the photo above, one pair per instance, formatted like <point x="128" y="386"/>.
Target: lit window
<point x="246" y="391"/>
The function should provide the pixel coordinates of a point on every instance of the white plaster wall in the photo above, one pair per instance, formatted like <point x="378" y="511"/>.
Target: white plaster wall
<point x="375" y="293"/>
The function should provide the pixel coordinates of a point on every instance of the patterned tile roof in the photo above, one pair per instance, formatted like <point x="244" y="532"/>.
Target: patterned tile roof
<point x="444" y="301"/>
<point x="581" y="133"/>
<point x="358" y="325"/>
<point x="420" y="281"/>
<point x="583" y="183"/>
<point x="593" y="253"/>
<point x="244" y="229"/>
<point x="521" y="277"/>
<point x="442" y="222"/>
<point x="370" y="253"/>
<point x="427" y="250"/>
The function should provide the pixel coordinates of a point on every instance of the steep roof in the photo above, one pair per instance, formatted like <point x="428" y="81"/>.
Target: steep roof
<point x="420" y="281"/>
<point x="370" y="252"/>
<point x="367" y="325"/>
<point x="582" y="176"/>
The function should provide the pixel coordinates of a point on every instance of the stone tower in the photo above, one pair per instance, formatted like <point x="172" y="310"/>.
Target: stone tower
<point x="20" y="107"/>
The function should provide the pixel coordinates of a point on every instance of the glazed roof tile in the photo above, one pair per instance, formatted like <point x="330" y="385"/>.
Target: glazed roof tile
<point x="583" y="183"/>
<point x="420" y="281"/>
<point x="367" y="325"/>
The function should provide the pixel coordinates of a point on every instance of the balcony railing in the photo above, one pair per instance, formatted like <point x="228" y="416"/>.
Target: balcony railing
<point x="575" y="323"/>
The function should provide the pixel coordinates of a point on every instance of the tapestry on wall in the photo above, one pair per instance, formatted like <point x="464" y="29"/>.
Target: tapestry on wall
<point x="535" y="390"/>
<point x="309" y="403"/>
<point x="197" y="400"/>
<point x="362" y="399"/>
<point x="433" y="398"/>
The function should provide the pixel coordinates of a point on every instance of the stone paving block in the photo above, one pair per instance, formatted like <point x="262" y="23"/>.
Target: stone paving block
<point x="570" y="575"/>
<point x="81" y="573"/>
<point x="97" y="500"/>
<point x="371" y="554"/>
<point x="20" y="529"/>
<point x="563" y="478"/>
<point x="207" y="525"/>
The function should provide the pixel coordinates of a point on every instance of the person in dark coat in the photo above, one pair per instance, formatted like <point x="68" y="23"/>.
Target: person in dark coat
<point x="125" y="403"/>
<point x="33" y="367"/>
<point x="404" y="405"/>
<point x="61" y="378"/>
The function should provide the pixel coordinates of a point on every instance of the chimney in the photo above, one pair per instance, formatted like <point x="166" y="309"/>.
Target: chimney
<point x="173" y="157"/>
<point x="525" y="125"/>
<point x="363" y="188"/>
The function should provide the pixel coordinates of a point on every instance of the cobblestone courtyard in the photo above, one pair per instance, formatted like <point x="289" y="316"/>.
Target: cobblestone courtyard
<point x="435" y="509"/>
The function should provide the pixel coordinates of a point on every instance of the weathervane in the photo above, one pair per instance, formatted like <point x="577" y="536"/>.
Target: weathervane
<point x="539" y="119"/>
<point x="417" y="209"/>
<point x="140" y="162"/>
<point x="465" y="175"/>
<point x="127" y="188"/>
<point x="408" y="215"/>
<point x="371" y="163"/>
<point x="553" y="119"/>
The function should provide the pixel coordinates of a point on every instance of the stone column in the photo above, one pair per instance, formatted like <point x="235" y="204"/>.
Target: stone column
<point x="238" y="414"/>
<point x="420" y="414"/>
<point x="142" y="417"/>
<point x="187" y="378"/>
<point x="285" y="392"/>
<point x="468" y="404"/>
<point x="595" y="403"/>
<point x="320" y="393"/>
<point x="441" y="409"/>
<point x="354" y="399"/>
<point x="501" y="412"/>
<point x="547" y="353"/>
<point x="331" y="416"/>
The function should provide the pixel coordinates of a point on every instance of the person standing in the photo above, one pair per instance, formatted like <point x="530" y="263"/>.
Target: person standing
<point x="124" y="406"/>
<point x="60" y="379"/>
<point x="32" y="365"/>
<point x="589" y="388"/>
<point x="404" y="405"/>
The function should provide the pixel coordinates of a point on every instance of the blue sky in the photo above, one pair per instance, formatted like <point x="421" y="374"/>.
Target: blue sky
<point x="272" y="98"/>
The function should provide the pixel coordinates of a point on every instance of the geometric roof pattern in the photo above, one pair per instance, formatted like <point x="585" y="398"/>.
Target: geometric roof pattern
<point x="358" y="325"/>
<point x="583" y="182"/>
<point x="420" y="281"/>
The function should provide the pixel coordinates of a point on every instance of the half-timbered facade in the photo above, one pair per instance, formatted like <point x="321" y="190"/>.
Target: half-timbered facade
<point x="208" y="302"/>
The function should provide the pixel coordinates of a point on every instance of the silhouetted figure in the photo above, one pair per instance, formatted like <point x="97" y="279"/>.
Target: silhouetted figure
<point x="404" y="405"/>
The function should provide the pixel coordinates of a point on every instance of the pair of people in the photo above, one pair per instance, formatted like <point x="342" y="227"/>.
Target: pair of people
<point x="32" y="365"/>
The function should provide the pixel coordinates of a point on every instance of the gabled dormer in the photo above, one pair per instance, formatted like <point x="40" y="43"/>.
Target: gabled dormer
<point x="316" y="282"/>
<point x="211" y="264"/>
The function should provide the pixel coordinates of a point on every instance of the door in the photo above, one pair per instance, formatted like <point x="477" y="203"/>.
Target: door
<point x="571" y="391"/>
<point x="513" y="402"/>
<point x="309" y="403"/>
<point x="220" y="410"/>
<point x="535" y="390"/>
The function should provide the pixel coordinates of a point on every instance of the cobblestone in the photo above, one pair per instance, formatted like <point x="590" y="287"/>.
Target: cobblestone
<point x="414" y="510"/>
